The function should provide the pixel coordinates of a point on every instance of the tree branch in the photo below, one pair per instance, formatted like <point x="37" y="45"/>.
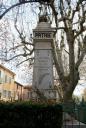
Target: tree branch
<point x="55" y="13"/>
<point x="55" y="56"/>
<point x="25" y="42"/>
<point x="25" y="61"/>
<point x="80" y="32"/>
<point x="24" y="55"/>
<point x="77" y="7"/>
<point x="66" y="51"/>
<point x="16" y="47"/>
<point x="80" y="59"/>
<point x="15" y="5"/>
<point x="82" y="54"/>
<point x="14" y="57"/>
<point x="22" y="37"/>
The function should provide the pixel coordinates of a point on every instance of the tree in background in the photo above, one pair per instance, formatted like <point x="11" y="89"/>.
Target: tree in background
<point x="69" y="19"/>
<point x="84" y="95"/>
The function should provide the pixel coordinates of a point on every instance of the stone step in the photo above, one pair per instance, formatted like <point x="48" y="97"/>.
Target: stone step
<point x="71" y="122"/>
<point x="74" y="126"/>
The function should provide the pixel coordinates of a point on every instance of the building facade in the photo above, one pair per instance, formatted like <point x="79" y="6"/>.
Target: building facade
<point x="27" y="92"/>
<point x="7" y="88"/>
<point x="19" y="89"/>
<point x="10" y="90"/>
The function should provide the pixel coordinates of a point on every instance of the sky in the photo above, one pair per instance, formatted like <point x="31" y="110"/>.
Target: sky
<point x="80" y="88"/>
<point x="23" y="74"/>
<point x="31" y="20"/>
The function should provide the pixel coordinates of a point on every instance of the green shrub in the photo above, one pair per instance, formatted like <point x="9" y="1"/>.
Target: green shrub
<point x="28" y="115"/>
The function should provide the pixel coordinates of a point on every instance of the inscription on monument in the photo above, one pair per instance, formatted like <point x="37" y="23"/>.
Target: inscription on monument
<point x="43" y="62"/>
<point x="43" y="69"/>
<point x="42" y="35"/>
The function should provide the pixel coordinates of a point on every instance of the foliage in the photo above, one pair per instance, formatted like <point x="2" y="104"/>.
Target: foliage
<point x="77" y="111"/>
<point x="76" y="99"/>
<point x="27" y="114"/>
<point x="81" y="111"/>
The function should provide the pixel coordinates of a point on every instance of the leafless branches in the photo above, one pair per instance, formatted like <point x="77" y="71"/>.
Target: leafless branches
<point x="15" y="5"/>
<point x="26" y="47"/>
<point x="70" y="22"/>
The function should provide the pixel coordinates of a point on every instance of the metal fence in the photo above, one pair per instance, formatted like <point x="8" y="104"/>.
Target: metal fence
<point x="73" y="116"/>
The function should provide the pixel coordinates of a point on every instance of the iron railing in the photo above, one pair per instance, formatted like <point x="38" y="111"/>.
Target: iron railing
<point x="73" y="116"/>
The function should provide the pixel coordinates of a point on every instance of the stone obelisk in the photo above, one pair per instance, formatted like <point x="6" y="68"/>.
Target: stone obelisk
<point x="43" y="60"/>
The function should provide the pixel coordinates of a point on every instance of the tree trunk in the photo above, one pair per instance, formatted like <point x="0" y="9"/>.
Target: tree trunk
<point x="67" y="94"/>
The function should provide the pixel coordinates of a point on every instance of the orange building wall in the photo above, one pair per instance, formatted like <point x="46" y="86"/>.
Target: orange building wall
<point x="6" y="84"/>
<point x="19" y="91"/>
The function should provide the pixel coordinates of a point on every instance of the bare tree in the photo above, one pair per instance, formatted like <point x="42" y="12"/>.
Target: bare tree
<point x="69" y="18"/>
<point x="84" y="94"/>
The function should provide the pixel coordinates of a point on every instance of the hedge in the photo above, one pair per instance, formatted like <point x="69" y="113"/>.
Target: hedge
<point x="24" y="115"/>
<point x="81" y="114"/>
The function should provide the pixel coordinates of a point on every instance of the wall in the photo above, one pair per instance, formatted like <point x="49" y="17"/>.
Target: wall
<point x="6" y="84"/>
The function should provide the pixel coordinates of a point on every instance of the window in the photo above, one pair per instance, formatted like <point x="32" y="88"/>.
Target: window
<point x="12" y="80"/>
<point x="0" y="78"/>
<point x="4" y="93"/>
<point x="9" y="80"/>
<point x="0" y="74"/>
<point x="5" y="78"/>
<point x="17" y="86"/>
<point x="9" y="94"/>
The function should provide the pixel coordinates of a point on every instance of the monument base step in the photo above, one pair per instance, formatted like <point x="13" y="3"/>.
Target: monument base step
<point x="74" y="126"/>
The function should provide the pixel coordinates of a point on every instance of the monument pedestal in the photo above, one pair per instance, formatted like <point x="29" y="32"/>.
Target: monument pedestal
<point x="43" y="80"/>
<point x="47" y="94"/>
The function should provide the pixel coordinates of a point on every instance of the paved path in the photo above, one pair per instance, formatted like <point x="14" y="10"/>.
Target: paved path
<point x="70" y="122"/>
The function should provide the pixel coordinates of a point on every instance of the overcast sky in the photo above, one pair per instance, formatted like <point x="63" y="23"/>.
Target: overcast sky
<point x="29" y="22"/>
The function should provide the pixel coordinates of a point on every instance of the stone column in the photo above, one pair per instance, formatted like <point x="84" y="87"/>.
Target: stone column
<point x="43" y="60"/>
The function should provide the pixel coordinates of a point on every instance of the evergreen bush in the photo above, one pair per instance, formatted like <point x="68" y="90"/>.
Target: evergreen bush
<point x="27" y="115"/>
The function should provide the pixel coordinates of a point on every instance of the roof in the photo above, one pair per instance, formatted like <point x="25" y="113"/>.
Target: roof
<point x="18" y="83"/>
<point x="29" y="87"/>
<point x="3" y="67"/>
